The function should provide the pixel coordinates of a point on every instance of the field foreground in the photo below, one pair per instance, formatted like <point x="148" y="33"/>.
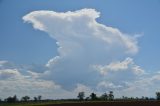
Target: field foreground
<point x="113" y="103"/>
<point x="87" y="103"/>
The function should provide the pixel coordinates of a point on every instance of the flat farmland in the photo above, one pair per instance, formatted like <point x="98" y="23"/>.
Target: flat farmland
<point x="113" y="103"/>
<point x="89" y="103"/>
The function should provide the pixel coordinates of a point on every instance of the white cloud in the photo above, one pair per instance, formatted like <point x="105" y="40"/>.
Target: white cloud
<point x="2" y="63"/>
<point x="5" y="64"/>
<point x="126" y="65"/>
<point x="118" y="74"/>
<point x="34" y="74"/>
<point x="144" y="86"/>
<point x="78" y="27"/>
<point x="82" y="42"/>
<point x="13" y="82"/>
<point x="108" y="86"/>
<point x="138" y="70"/>
<point x="9" y="73"/>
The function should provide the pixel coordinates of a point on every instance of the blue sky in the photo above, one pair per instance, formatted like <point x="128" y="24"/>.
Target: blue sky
<point x="19" y="41"/>
<point x="21" y="44"/>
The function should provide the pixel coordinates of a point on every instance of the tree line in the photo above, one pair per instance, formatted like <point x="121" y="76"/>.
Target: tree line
<point x="110" y="97"/>
<point x="13" y="99"/>
<point x="80" y="97"/>
<point x="94" y="97"/>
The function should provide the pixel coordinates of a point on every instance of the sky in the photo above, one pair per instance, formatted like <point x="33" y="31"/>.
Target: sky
<point x="58" y="48"/>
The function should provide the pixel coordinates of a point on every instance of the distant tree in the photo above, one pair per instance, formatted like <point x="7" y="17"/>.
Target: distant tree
<point x="158" y="95"/>
<point x="81" y="95"/>
<point x="25" y="98"/>
<point x="132" y="98"/>
<point x="111" y="96"/>
<point x="15" y="99"/>
<point x="11" y="99"/>
<point x="146" y="98"/>
<point x="93" y="96"/>
<point x="87" y="98"/>
<point x="104" y="96"/>
<point x="39" y="98"/>
<point x="142" y="98"/>
<point x="124" y="98"/>
<point x="35" y="99"/>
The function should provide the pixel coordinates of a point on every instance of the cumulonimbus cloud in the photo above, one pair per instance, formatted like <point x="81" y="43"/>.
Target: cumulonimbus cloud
<point x="82" y="42"/>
